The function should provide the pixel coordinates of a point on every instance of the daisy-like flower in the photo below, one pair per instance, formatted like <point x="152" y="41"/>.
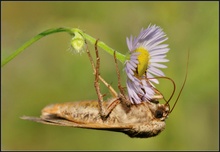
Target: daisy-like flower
<point x="146" y="54"/>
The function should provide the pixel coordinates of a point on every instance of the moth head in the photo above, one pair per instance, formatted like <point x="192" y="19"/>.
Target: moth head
<point x="159" y="111"/>
<point x="162" y="111"/>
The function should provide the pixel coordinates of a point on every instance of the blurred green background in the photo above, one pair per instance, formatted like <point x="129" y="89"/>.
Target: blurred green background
<point x="47" y="72"/>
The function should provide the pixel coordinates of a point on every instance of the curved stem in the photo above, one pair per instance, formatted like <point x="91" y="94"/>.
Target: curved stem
<point x="31" y="41"/>
<point x="72" y="31"/>
<point x="105" y="47"/>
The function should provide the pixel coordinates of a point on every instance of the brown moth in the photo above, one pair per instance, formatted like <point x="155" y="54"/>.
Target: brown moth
<point x="142" y="120"/>
<point x="136" y="120"/>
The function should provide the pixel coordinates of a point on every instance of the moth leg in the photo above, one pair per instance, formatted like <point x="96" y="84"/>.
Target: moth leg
<point x="158" y="95"/>
<point x="122" y="95"/>
<point x="104" y="113"/>
<point x="111" y="90"/>
<point x="96" y="83"/>
<point x="111" y="106"/>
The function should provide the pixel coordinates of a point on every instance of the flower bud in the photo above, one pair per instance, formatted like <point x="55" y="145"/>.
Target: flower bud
<point x="78" y="43"/>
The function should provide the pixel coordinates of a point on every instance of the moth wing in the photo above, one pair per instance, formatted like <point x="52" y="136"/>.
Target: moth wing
<point x="50" y="121"/>
<point x="54" y="120"/>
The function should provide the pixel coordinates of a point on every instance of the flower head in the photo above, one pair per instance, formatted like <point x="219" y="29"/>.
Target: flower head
<point x="146" y="54"/>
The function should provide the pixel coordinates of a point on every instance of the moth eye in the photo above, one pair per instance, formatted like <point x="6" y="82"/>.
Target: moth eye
<point x="159" y="114"/>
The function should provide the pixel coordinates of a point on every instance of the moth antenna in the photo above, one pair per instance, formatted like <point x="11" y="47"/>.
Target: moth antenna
<point x="174" y="88"/>
<point x="184" y="82"/>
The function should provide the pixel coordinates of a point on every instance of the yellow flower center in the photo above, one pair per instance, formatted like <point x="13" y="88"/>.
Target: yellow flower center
<point x="143" y="59"/>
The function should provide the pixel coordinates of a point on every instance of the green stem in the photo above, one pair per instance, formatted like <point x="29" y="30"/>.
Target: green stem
<point x="31" y="41"/>
<point x="105" y="47"/>
<point x="92" y="40"/>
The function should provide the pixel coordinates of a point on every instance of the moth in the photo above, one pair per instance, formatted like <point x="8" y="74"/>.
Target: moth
<point x="116" y="114"/>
